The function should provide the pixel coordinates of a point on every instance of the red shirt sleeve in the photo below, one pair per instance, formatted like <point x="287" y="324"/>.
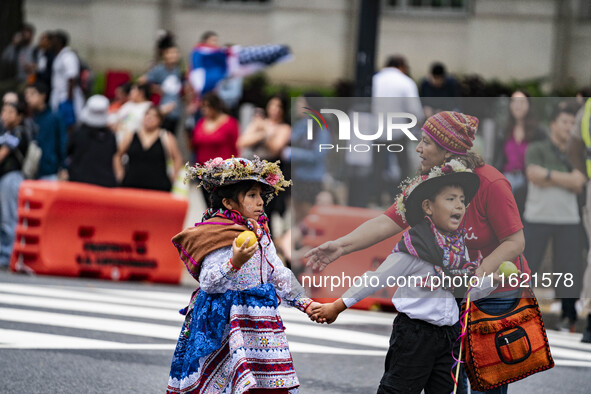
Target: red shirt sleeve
<point x="395" y="216"/>
<point x="501" y="209"/>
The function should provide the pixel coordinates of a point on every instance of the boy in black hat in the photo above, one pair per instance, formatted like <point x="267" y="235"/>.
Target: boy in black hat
<point x="428" y="256"/>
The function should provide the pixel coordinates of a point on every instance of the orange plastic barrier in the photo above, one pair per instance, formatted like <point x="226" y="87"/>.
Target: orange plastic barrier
<point x="327" y="223"/>
<point x="76" y="229"/>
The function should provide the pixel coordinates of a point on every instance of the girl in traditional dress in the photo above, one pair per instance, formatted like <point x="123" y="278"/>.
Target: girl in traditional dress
<point x="233" y="339"/>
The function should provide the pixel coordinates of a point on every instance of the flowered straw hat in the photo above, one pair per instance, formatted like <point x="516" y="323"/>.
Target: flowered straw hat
<point x="416" y="190"/>
<point x="218" y="172"/>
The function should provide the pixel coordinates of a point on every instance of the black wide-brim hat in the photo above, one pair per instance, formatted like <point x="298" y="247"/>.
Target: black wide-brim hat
<point x="468" y="181"/>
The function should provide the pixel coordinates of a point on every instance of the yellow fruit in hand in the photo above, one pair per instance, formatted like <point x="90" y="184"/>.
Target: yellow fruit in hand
<point x="507" y="268"/>
<point x="242" y="237"/>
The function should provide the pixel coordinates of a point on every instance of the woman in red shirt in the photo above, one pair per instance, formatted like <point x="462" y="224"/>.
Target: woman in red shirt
<point x="215" y="134"/>
<point x="492" y="221"/>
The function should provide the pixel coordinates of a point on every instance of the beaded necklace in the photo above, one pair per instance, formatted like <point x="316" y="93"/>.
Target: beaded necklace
<point x="237" y="218"/>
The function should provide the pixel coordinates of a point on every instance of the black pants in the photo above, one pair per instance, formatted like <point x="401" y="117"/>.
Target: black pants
<point x="420" y="358"/>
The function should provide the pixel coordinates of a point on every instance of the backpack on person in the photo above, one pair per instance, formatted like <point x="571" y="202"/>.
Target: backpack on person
<point x="32" y="157"/>
<point x="31" y="160"/>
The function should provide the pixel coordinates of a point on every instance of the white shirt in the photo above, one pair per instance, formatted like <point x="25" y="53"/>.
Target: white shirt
<point x="130" y="117"/>
<point x="402" y="91"/>
<point x="65" y="67"/>
<point x="391" y="82"/>
<point x="437" y="307"/>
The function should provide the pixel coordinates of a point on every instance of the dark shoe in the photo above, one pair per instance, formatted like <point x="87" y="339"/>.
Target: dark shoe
<point x="566" y="325"/>
<point x="586" y="336"/>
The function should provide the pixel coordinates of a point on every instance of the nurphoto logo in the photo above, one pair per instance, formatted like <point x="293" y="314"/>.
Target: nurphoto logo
<point x="389" y="126"/>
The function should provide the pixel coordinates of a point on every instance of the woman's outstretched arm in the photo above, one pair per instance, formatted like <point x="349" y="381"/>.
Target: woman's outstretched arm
<point x="367" y="234"/>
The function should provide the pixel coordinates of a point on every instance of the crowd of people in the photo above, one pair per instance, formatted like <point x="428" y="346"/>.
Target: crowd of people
<point x="530" y="193"/>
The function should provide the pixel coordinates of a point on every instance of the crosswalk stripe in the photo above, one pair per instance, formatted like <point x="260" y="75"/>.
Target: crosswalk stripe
<point x="86" y="294"/>
<point x="152" y="295"/>
<point x="33" y="340"/>
<point x="571" y="363"/>
<point x="572" y="342"/>
<point x="91" y="323"/>
<point x="38" y="340"/>
<point x="170" y="332"/>
<point x="350" y="317"/>
<point x="563" y="353"/>
<point x="92" y="307"/>
<point x="337" y="335"/>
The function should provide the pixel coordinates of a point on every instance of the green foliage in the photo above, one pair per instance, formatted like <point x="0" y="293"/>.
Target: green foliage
<point x="100" y="83"/>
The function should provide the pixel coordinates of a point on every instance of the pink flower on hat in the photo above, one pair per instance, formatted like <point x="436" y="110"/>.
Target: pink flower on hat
<point x="214" y="162"/>
<point x="272" y="179"/>
<point x="447" y="169"/>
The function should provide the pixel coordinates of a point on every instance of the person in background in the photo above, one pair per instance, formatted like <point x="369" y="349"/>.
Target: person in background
<point x="308" y="163"/>
<point x="121" y="96"/>
<point x="552" y="211"/>
<point x="393" y="82"/>
<point x="13" y="148"/>
<point x="230" y="90"/>
<point x="207" y="65"/>
<point x="164" y="39"/>
<point x="10" y="97"/>
<point x="20" y="54"/>
<point x="154" y="156"/>
<point x="579" y="145"/>
<point x="438" y="90"/>
<point x="93" y="146"/>
<point x="131" y="114"/>
<point x="28" y="124"/>
<point x="266" y="136"/>
<point x="522" y="129"/>
<point x="52" y="137"/>
<point x="44" y="57"/>
<point x="215" y="134"/>
<point x="166" y="79"/>
<point x="268" y="133"/>
<point x="66" y="96"/>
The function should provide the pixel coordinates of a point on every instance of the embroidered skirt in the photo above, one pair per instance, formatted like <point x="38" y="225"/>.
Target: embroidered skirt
<point x="231" y="343"/>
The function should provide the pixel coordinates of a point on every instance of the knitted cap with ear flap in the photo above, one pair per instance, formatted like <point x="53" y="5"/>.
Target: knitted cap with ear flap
<point x="453" y="131"/>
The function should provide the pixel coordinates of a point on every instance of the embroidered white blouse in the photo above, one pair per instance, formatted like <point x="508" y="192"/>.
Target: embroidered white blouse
<point x="219" y="275"/>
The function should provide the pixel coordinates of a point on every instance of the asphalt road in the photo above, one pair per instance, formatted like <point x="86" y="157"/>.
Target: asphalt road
<point x="60" y="335"/>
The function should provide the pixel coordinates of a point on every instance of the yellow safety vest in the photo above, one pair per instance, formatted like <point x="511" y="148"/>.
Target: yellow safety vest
<point x="586" y="136"/>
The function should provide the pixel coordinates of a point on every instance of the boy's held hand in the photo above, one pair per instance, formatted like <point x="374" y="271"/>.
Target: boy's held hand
<point x="327" y="313"/>
<point x="309" y="309"/>
<point x="241" y="254"/>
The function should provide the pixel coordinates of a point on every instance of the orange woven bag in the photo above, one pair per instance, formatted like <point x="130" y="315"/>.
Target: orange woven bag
<point x="500" y="349"/>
